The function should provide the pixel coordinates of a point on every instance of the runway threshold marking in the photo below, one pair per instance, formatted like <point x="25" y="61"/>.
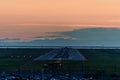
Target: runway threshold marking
<point x="73" y="55"/>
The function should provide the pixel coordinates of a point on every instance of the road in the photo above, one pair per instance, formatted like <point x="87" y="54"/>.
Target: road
<point x="62" y="54"/>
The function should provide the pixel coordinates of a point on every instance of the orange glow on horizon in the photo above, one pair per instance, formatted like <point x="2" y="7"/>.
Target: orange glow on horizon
<point x="83" y="12"/>
<point x="27" y="18"/>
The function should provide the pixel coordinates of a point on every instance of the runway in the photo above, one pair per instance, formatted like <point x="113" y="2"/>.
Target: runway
<point x="62" y="54"/>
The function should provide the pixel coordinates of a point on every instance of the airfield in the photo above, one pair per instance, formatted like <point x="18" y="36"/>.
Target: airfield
<point x="62" y="54"/>
<point x="92" y="60"/>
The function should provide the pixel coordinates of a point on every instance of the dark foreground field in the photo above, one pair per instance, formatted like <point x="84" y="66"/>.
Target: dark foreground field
<point x="100" y="60"/>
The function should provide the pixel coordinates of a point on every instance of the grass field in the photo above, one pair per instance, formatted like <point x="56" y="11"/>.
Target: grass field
<point x="106" y="60"/>
<point x="11" y="59"/>
<point x="102" y="60"/>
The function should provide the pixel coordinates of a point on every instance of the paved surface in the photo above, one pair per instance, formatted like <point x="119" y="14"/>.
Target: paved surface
<point x="62" y="54"/>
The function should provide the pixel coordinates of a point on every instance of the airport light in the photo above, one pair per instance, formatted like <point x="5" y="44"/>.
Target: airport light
<point x="18" y="56"/>
<point x="60" y="65"/>
<point x="30" y="56"/>
<point x="42" y="70"/>
<point x="45" y="65"/>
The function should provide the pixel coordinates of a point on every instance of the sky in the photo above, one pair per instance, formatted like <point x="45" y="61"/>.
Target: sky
<point x="24" y="20"/>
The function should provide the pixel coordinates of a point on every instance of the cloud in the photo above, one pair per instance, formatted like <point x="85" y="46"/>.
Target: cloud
<point x="51" y="36"/>
<point x="93" y="33"/>
<point x="94" y="36"/>
<point x="83" y="37"/>
<point x="10" y="39"/>
<point x="54" y="36"/>
<point x="89" y="37"/>
<point x="50" y="42"/>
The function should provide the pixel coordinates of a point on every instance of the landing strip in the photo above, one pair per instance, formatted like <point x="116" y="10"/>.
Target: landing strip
<point x="62" y="54"/>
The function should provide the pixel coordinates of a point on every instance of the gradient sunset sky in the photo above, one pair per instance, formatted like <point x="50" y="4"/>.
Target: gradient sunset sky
<point x="26" y="19"/>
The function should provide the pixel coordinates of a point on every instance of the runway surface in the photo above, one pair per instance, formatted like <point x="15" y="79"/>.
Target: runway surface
<point x="62" y="54"/>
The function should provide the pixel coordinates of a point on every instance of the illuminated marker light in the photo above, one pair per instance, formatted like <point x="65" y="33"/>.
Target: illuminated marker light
<point x="11" y="56"/>
<point x="18" y="56"/>
<point x="30" y="56"/>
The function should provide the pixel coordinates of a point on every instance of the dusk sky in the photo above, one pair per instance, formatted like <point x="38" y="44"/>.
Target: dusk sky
<point x="30" y="20"/>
